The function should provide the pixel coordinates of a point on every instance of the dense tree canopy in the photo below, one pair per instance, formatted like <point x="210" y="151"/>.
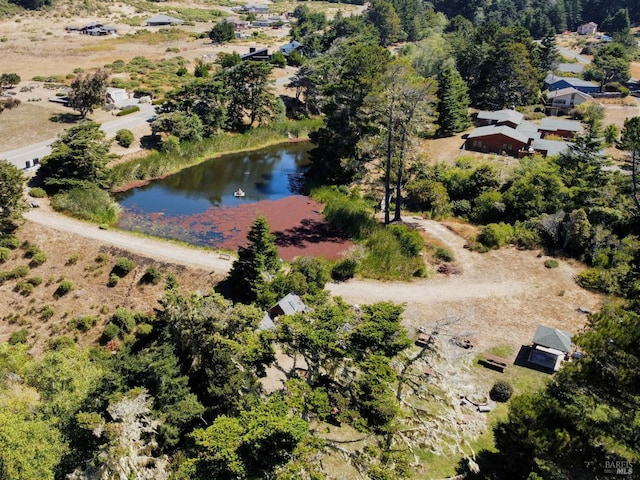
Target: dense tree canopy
<point x="78" y="156"/>
<point x="356" y="65"/>
<point x="12" y="202"/>
<point x="222" y="32"/>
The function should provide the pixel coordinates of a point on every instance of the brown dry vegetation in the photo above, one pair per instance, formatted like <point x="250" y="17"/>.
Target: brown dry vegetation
<point x="91" y="295"/>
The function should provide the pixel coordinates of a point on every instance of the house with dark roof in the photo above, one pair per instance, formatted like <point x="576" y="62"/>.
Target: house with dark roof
<point x="505" y="132"/>
<point x="560" y="102"/>
<point x="256" y="54"/>
<point x="550" y="347"/>
<point x="163" y="20"/>
<point x="500" y="139"/>
<point x="558" y="127"/>
<point x="255" y="8"/>
<point x="553" y="82"/>
<point x="511" y="118"/>
<point x="237" y="23"/>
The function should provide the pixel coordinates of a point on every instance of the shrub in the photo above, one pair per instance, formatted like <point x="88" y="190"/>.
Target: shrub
<point x="145" y="329"/>
<point x="84" y="324"/>
<point x="151" y="276"/>
<point x="346" y="213"/>
<point x="37" y="192"/>
<point x="88" y="202"/>
<point x="30" y="250"/>
<point x="127" y="111"/>
<point x="171" y="282"/>
<point x="442" y="254"/>
<point x="501" y="391"/>
<point x="38" y="259"/>
<point x="411" y="242"/>
<point x="525" y="237"/>
<point x="122" y="267"/>
<point x="314" y="269"/>
<point x="19" y="272"/>
<point x="124" y="320"/>
<point x="24" y="288"/>
<point x="19" y="336"/>
<point x="110" y="332"/>
<point x="113" y="280"/>
<point x="4" y="254"/>
<point x="278" y="59"/>
<point x="10" y="242"/>
<point x="35" y="281"/>
<point x="551" y="263"/>
<point x="72" y="260"/>
<point x="124" y="138"/>
<point x="496" y="235"/>
<point x="101" y="258"/>
<point x="46" y="312"/>
<point x="344" y="269"/>
<point x="60" y="343"/>
<point x="64" y="288"/>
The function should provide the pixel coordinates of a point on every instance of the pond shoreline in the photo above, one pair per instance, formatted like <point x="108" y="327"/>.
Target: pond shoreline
<point x="142" y="183"/>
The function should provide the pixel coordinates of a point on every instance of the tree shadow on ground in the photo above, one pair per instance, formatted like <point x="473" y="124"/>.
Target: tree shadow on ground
<point x="309" y="231"/>
<point x="149" y="142"/>
<point x="65" y="117"/>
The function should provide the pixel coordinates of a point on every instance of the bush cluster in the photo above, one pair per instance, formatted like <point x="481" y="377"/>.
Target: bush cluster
<point x="19" y="336"/>
<point x="151" y="276"/>
<point x="127" y="111"/>
<point x="124" y="138"/>
<point x="64" y="287"/>
<point x="123" y="266"/>
<point x="18" y="272"/>
<point x="501" y="391"/>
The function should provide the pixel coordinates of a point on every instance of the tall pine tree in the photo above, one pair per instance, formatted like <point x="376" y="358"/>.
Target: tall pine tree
<point x="453" y="109"/>
<point x="255" y="263"/>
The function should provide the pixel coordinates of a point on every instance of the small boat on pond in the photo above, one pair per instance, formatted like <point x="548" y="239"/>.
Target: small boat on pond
<point x="239" y="193"/>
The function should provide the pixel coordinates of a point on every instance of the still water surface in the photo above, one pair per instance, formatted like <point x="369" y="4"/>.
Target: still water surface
<point x="268" y="174"/>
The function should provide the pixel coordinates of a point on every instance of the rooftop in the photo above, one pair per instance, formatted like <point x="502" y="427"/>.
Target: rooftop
<point x="553" y="124"/>
<point x="553" y="338"/>
<point x="499" y="130"/>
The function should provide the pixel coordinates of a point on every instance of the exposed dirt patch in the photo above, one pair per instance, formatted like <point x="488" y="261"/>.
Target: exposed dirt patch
<point x="500" y="297"/>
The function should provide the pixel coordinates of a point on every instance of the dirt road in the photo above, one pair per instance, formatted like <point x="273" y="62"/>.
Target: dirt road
<point x="500" y="297"/>
<point x="149" y="247"/>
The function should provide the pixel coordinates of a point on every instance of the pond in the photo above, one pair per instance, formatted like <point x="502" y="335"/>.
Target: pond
<point x="191" y="205"/>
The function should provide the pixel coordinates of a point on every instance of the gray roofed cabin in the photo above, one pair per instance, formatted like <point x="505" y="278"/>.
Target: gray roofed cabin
<point x="288" y="305"/>
<point x="553" y="338"/>
<point x="160" y="20"/>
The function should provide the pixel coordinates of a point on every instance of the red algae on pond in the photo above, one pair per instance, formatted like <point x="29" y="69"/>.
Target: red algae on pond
<point x="296" y="222"/>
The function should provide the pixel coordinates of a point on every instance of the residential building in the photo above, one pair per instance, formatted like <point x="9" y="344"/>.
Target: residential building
<point x="553" y="82"/>
<point x="290" y="47"/>
<point x="505" y="132"/>
<point x="257" y="54"/>
<point x="560" y="102"/>
<point x="559" y="128"/>
<point x="589" y="28"/>
<point x="162" y="20"/>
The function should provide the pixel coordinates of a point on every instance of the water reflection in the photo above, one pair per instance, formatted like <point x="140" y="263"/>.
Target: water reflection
<point x="267" y="174"/>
